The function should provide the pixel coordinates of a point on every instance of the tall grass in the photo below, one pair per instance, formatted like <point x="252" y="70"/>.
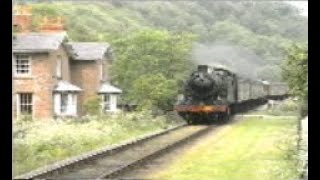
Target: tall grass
<point x="38" y="143"/>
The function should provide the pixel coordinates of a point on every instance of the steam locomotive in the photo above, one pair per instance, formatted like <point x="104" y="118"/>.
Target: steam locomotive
<point x="213" y="93"/>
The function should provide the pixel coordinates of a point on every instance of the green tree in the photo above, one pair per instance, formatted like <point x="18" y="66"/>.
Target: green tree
<point x="149" y="63"/>
<point x="154" y="90"/>
<point x="295" y="72"/>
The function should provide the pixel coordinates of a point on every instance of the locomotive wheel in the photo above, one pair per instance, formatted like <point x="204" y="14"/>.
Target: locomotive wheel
<point x="188" y="118"/>
<point x="219" y="117"/>
<point x="210" y="118"/>
<point x="227" y="114"/>
<point x="189" y="121"/>
<point x="226" y="118"/>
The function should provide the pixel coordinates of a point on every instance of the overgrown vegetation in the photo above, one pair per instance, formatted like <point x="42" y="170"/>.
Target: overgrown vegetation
<point x="288" y="107"/>
<point x="38" y="143"/>
<point x="93" y="105"/>
<point x="149" y="65"/>
<point x="251" y="149"/>
<point x="295" y="72"/>
<point x="164" y="44"/>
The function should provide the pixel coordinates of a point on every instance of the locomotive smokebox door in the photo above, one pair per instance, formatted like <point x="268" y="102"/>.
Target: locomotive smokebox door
<point x="203" y="68"/>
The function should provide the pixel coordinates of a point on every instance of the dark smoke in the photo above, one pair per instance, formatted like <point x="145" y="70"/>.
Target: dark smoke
<point x="240" y="60"/>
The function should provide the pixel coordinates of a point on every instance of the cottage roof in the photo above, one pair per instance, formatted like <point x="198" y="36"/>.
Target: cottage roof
<point x="108" y="88"/>
<point x="37" y="42"/>
<point x="66" y="86"/>
<point x="87" y="50"/>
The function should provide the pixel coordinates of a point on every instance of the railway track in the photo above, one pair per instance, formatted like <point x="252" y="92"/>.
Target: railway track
<point x="111" y="162"/>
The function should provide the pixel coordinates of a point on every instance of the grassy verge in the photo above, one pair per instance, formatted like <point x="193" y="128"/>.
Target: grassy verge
<point x="37" y="143"/>
<point x="286" y="107"/>
<point x="251" y="149"/>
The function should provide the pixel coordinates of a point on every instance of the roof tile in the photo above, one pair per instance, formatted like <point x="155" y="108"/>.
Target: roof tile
<point x="35" y="42"/>
<point x="87" y="50"/>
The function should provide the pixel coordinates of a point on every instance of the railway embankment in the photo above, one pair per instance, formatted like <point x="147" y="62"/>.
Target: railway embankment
<point x="251" y="148"/>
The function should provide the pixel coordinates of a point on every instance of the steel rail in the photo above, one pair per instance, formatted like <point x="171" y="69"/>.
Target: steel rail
<point x="72" y="162"/>
<point x="148" y="157"/>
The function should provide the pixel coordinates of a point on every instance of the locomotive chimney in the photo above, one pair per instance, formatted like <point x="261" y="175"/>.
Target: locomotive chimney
<point x="203" y="68"/>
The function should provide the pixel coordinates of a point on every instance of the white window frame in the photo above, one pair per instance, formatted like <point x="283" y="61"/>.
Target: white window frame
<point x="101" y="71"/>
<point x="71" y="104"/>
<point x="59" y="67"/>
<point x="111" y="104"/>
<point x="16" y="73"/>
<point x="19" y="103"/>
<point x="64" y="97"/>
<point x="106" y="105"/>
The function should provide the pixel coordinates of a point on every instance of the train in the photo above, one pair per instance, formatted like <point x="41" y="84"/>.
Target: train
<point x="214" y="93"/>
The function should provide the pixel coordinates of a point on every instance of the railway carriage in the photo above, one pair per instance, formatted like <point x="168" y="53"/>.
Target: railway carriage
<point x="278" y="91"/>
<point x="214" y="93"/>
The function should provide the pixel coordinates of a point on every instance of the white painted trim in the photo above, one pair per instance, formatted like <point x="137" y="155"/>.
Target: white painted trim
<point x="101" y="71"/>
<point x="59" y="67"/>
<point x="112" y="108"/>
<point x="18" y="105"/>
<point x="57" y="103"/>
<point x="18" y="111"/>
<point x="32" y="96"/>
<point x="112" y="102"/>
<point x="71" y="104"/>
<point x="102" y="103"/>
<point x="15" y="65"/>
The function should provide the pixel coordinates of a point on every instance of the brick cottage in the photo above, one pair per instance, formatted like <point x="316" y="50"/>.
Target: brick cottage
<point x="54" y="77"/>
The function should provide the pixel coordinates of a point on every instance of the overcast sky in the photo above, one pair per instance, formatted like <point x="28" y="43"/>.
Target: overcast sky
<point x="303" y="5"/>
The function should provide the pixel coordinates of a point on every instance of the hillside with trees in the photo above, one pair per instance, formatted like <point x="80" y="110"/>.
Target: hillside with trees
<point x="160" y="41"/>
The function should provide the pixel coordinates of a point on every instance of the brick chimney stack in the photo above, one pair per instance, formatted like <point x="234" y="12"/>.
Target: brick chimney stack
<point x="52" y="24"/>
<point x="22" y="17"/>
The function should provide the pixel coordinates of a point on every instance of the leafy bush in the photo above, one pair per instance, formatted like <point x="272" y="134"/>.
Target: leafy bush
<point x="92" y="105"/>
<point x="303" y="108"/>
<point x="286" y="107"/>
<point x="290" y="154"/>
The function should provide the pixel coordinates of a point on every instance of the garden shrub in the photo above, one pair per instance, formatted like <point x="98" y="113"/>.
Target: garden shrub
<point x="92" y="106"/>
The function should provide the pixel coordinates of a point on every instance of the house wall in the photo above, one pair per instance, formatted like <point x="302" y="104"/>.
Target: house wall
<point x="85" y="74"/>
<point x="106" y="69"/>
<point x="41" y="82"/>
<point x="65" y="71"/>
